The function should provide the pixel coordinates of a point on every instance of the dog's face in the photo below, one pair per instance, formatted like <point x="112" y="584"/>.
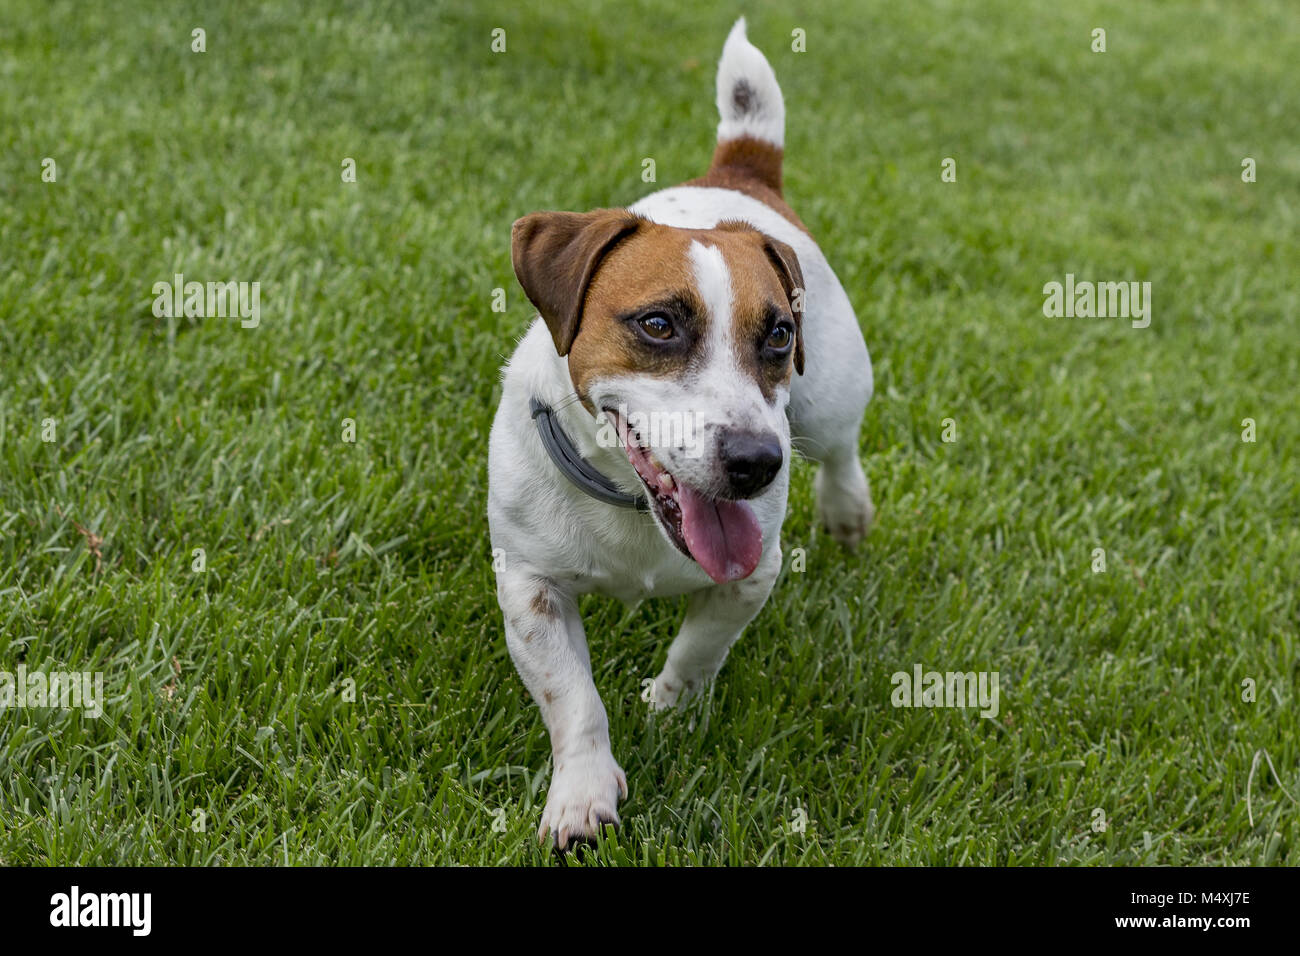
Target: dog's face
<point x="685" y="340"/>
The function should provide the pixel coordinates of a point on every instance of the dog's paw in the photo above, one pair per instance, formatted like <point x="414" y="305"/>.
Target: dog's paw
<point x="844" y="504"/>
<point x="582" y="799"/>
<point x="666" y="693"/>
<point x="670" y="689"/>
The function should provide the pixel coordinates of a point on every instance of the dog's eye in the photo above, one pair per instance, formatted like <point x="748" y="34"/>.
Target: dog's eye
<point x="656" y="325"/>
<point x="781" y="337"/>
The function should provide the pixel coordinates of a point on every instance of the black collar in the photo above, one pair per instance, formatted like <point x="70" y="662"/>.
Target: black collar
<point x="573" y="466"/>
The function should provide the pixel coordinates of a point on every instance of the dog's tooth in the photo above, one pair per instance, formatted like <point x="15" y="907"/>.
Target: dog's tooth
<point x="666" y="482"/>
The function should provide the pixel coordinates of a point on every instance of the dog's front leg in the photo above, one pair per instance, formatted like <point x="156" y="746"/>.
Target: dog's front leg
<point x="715" y="618"/>
<point x="549" y="647"/>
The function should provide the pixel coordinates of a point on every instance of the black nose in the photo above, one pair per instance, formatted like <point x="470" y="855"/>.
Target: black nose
<point x="749" y="461"/>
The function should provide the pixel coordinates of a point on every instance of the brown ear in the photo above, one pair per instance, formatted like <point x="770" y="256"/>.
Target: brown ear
<point x="555" y="255"/>
<point x="786" y="264"/>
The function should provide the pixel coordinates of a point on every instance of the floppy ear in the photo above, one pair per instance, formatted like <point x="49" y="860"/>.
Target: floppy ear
<point x="786" y="264"/>
<point x="555" y="255"/>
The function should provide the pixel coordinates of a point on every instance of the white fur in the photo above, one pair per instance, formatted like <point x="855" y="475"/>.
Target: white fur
<point x="550" y="538"/>
<point x="713" y="280"/>
<point x="765" y="116"/>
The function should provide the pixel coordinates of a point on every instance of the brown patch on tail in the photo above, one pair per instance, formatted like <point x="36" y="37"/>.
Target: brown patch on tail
<point x="752" y="158"/>
<point x="750" y="166"/>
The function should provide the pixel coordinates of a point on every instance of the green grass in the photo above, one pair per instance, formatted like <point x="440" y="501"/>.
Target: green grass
<point x="330" y="562"/>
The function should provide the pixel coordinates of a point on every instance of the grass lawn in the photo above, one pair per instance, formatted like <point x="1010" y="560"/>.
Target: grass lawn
<point x="229" y="734"/>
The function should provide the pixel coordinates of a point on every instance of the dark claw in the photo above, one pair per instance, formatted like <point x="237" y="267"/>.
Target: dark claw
<point x="579" y="847"/>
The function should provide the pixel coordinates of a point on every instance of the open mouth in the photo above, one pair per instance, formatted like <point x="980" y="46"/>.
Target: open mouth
<point x="721" y="535"/>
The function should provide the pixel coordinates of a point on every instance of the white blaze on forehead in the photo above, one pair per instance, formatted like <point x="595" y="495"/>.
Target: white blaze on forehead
<point x="713" y="280"/>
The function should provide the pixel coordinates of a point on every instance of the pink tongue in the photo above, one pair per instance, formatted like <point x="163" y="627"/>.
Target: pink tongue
<point x="724" y="536"/>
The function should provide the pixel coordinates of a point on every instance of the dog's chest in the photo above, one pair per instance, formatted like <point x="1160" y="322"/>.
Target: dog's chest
<point x="641" y="564"/>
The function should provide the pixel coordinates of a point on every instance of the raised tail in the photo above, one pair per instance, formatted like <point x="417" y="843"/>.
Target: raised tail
<point x="751" y="127"/>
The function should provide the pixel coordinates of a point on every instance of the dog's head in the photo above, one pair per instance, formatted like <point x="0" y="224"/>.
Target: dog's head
<point x="685" y="340"/>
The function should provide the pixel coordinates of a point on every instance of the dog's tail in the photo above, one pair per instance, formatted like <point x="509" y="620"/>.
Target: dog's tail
<point x="751" y="130"/>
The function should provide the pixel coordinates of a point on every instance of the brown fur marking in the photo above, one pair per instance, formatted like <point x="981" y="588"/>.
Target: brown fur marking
<point x="555" y="254"/>
<point x="543" y="604"/>
<point x="653" y="267"/>
<point x="750" y="166"/>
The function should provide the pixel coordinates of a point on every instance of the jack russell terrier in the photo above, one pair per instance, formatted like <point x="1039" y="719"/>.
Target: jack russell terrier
<point x="642" y="444"/>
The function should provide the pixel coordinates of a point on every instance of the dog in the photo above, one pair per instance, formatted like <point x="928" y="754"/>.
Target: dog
<point x="642" y="443"/>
